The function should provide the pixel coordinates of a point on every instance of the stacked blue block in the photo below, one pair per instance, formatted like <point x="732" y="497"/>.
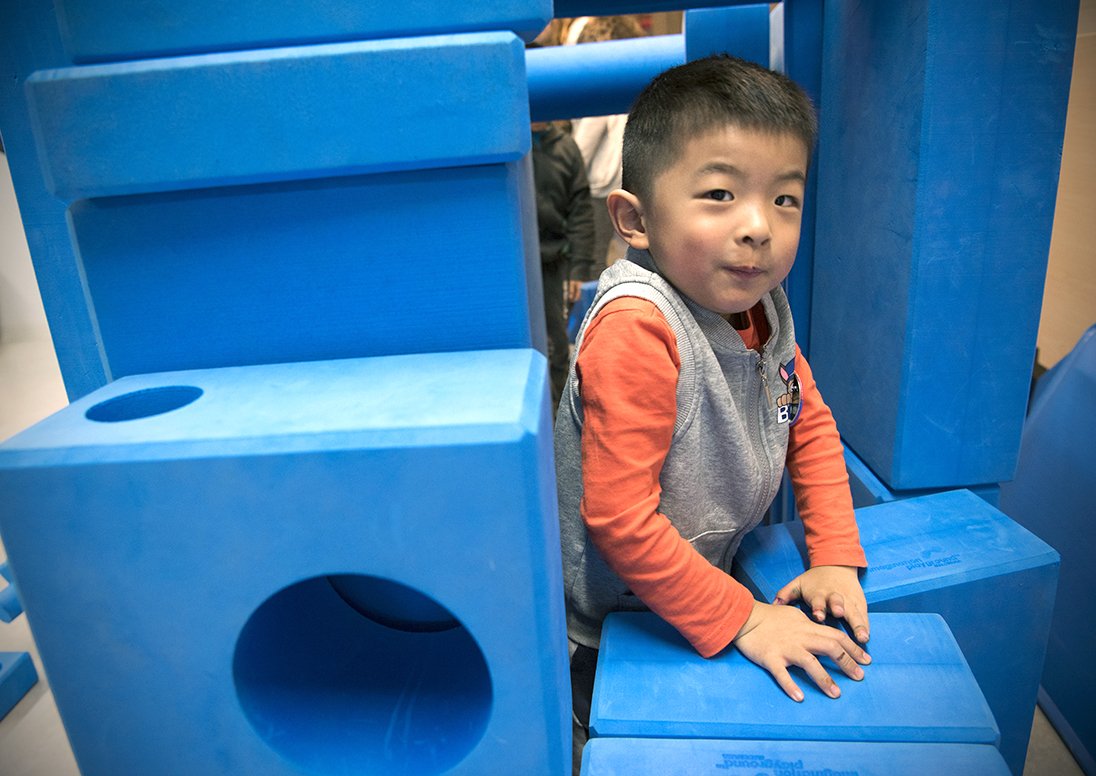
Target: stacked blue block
<point x="706" y="757"/>
<point x="651" y="684"/>
<point x="325" y="568"/>
<point x="322" y="196"/>
<point x="953" y="554"/>
<point x="17" y="676"/>
<point x="867" y="489"/>
<point x="925" y="309"/>
<point x="1053" y="495"/>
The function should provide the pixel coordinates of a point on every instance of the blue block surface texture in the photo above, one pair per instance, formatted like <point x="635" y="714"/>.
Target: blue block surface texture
<point x="954" y="554"/>
<point x="925" y="310"/>
<point x="706" y="757"/>
<point x="97" y="30"/>
<point x="17" y="676"/>
<point x="651" y="683"/>
<point x="300" y="568"/>
<point x="1053" y="495"/>
<point x="741" y="30"/>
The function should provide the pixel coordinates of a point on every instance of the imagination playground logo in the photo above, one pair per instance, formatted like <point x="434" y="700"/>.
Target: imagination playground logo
<point x="760" y="765"/>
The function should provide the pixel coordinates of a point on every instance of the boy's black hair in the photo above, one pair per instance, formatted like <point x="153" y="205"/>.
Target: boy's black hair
<point x="691" y="99"/>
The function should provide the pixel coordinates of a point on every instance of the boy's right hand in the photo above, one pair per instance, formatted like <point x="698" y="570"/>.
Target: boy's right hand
<point x="776" y="637"/>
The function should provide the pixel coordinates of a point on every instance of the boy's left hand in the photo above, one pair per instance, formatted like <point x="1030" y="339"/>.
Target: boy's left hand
<point x="833" y="589"/>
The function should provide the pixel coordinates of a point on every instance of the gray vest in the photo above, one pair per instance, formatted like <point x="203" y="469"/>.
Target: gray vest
<point x="730" y="439"/>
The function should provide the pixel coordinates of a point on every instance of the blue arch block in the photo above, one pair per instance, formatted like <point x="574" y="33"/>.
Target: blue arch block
<point x="241" y="570"/>
<point x="705" y="757"/>
<point x="949" y="553"/>
<point x="651" y="684"/>
<point x="94" y="30"/>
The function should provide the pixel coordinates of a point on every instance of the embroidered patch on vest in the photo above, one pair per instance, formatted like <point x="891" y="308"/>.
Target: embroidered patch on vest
<point x="788" y="403"/>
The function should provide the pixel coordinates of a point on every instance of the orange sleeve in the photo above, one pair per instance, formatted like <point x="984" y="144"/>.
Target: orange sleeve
<point x="816" y="463"/>
<point x="628" y="367"/>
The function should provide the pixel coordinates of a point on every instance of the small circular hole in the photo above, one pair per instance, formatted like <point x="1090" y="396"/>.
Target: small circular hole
<point x="143" y="404"/>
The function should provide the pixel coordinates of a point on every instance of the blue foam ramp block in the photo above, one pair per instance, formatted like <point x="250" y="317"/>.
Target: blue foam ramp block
<point x="1052" y="495"/>
<point x="741" y="30"/>
<point x="706" y="757"/>
<point x="280" y="114"/>
<point x="651" y="683"/>
<point x="954" y="554"/>
<point x="334" y="567"/>
<point x="933" y="310"/>
<point x="97" y="30"/>
<point x="17" y="676"/>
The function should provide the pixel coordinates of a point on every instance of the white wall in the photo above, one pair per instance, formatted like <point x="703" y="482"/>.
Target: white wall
<point x="21" y="316"/>
<point x="1069" y="298"/>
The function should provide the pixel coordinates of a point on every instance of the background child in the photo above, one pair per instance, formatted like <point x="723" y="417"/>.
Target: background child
<point x="688" y="396"/>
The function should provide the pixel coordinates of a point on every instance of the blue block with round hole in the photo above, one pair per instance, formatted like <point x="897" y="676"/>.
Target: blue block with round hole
<point x="651" y="683"/>
<point x="333" y="567"/>
<point x="954" y="554"/>
<point x="707" y="757"/>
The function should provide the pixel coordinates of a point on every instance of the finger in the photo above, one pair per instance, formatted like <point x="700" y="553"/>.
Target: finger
<point x="837" y="651"/>
<point x="851" y="647"/>
<point x="857" y="618"/>
<point x="836" y="604"/>
<point x="790" y="592"/>
<point x="787" y="684"/>
<point x="818" y="608"/>
<point x="819" y="676"/>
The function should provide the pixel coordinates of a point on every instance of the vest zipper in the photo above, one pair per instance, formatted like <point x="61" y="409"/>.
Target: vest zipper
<point x="764" y="382"/>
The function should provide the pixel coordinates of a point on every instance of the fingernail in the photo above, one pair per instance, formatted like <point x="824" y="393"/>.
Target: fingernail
<point x="859" y="674"/>
<point x="834" y="691"/>
<point x="797" y="696"/>
<point x="819" y="615"/>
<point x="862" y="635"/>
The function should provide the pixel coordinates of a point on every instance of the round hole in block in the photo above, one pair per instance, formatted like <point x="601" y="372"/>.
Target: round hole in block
<point x="337" y="692"/>
<point x="143" y="404"/>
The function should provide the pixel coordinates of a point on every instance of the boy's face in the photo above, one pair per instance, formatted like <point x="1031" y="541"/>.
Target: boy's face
<point x="722" y="222"/>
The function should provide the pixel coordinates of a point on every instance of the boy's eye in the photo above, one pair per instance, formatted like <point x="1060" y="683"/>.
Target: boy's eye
<point x="786" y="200"/>
<point x="720" y="195"/>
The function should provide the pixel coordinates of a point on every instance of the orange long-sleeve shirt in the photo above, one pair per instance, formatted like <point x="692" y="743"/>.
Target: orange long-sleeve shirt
<point x="628" y="367"/>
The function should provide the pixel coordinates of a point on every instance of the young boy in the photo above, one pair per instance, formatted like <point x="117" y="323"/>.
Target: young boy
<point x="688" y="395"/>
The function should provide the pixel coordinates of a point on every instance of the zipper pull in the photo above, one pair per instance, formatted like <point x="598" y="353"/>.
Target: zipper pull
<point x="764" y="382"/>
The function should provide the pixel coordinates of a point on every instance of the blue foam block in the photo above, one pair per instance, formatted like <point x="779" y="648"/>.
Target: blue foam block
<point x="1052" y="495"/>
<point x="867" y="489"/>
<point x="280" y="114"/>
<point x="580" y="308"/>
<point x="923" y="327"/>
<point x="651" y="683"/>
<point x="96" y="30"/>
<point x="313" y="270"/>
<point x="17" y="676"/>
<point x="241" y="570"/>
<point x="705" y="757"/>
<point x="952" y="553"/>
<point x="741" y="30"/>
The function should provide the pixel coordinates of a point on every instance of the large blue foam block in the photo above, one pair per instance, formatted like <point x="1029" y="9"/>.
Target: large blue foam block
<point x="954" y="554"/>
<point x="867" y="489"/>
<point x="95" y="30"/>
<point x="706" y="757"/>
<point x="1053" y="494"/>
<point x="326" y="568"/>
<point x="652" y="684"/>
<point x="280" y="114"/>
<point x="925" y="309"/>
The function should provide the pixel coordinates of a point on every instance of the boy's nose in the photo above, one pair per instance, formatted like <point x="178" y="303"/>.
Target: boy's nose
<point x="753" y="228"/>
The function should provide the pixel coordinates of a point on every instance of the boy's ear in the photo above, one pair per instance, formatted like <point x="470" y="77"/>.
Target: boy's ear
<point x="626" y="213"/>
